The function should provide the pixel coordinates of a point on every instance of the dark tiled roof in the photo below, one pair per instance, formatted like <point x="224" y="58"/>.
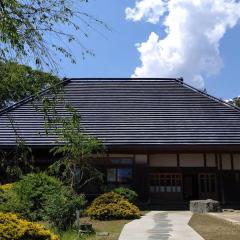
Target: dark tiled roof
<point x="134" y="112"/>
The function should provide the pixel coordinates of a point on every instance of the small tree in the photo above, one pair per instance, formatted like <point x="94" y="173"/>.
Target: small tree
<point x="76" y="150"/>
<point x="17" y="162"/>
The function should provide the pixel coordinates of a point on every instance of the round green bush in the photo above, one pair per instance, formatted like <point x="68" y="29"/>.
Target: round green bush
<point x="40" y="197"/>
<point x="34" y="191"/>
<point x="127" y="193"/>
<point x="110" y="206"/>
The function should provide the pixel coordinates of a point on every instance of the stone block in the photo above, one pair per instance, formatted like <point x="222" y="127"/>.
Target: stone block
<point x="205" y="206"/>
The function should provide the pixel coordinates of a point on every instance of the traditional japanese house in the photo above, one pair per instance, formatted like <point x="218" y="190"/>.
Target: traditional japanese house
<point x="165" y="139"/>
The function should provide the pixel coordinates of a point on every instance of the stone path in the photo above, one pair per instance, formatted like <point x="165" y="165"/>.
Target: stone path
<point x="160" y="225"/>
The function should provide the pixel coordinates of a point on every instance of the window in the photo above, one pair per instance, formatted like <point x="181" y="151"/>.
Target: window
<point x="120" y="175"/>
<point x="207" y="182"/>
<point x="111" y="174"/>
<point x="165" y="183"/>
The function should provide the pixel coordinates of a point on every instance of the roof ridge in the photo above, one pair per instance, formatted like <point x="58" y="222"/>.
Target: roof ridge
<point x="181" y="81"/>
<point x="120" y="78"/>
<point x="31" y="97"/>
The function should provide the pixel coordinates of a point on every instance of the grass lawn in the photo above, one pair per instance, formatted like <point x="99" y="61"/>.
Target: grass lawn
<point x="113" y="227"/>
<point x="212" y="228"/>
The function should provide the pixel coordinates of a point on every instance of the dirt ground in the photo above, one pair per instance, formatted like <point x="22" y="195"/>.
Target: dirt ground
<point x="213" y="228"/>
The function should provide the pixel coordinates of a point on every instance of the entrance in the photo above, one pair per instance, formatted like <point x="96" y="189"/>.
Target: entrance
<point x="190" y="187"/>
<point x="165" y="187"/>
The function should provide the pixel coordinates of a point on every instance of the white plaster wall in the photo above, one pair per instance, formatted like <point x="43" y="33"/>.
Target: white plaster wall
<point x="210" y="160"/>
<point x="191" y="160"/>
<point x="141" y="158"/>
<point x="163" y="160"/>
<point x="226" y="161"/>
<point x="236" y="161"/>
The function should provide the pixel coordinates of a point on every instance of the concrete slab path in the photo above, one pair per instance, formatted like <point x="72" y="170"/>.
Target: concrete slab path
<point x="160" y="225"/>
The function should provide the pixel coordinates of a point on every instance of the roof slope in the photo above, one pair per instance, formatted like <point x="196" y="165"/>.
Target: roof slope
<point x="133" y="112"/>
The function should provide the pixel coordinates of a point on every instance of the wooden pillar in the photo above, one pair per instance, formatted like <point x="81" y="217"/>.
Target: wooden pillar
<point x="141" y="179"/>
<point x="222" y="192"/>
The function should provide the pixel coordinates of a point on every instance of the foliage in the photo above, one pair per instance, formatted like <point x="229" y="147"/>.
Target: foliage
<point x="112" y="206"/>
<point x="61" y="208"/>
<point x="40" y="197"/>
<point x="127" y="193"/>
<point x="235" y="101"/>
<point x="75" y="167"/>
<point x="10" y="202"/>
<point x="6" y="187"/>
<point x="30" y="30"/>
<point x="14" y="228"/>
<point x="33" y="191"/>
<point x="20" y="81"/>
<point x="21" y="161"/>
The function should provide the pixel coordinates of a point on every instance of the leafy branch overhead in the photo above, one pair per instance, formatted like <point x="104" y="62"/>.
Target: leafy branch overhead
<point x="20" y="81"/>
<point x="30" y="29"/>
<point x="76" y="150"/>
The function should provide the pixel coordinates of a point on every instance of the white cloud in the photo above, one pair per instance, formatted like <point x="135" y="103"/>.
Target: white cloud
<point x="193" y="29"/>
<point x="151" y="10"/>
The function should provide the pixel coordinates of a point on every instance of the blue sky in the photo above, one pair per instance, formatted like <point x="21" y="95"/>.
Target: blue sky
<point x="117" y="55"/>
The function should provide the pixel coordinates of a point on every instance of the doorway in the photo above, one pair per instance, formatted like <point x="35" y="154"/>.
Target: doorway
<point x="190" y="187"/>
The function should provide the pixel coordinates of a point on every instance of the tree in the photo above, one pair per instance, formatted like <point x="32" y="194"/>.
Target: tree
<point x="29" y="29"/>
<point x="20" y="81"/>
<point x="16" y="162"/>
<point x="235" y="101"/>
<point x="76" y="150"/>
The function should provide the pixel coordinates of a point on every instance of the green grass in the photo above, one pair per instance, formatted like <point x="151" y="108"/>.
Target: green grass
<point x="114" y="228"/>
<point x="213" y="228"/>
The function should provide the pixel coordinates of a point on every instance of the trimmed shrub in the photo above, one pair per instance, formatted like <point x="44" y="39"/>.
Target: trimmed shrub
<point x="127" y="193"/>
<point x="110" y="206"/>
<point x="14" y="228"/>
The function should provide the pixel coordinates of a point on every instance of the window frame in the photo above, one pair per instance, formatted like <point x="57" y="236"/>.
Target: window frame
<point x="166" y="183"/>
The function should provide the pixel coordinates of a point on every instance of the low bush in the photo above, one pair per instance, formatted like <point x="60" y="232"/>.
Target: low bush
<point x="33" y="191"/>
<point x="10" y="202"/>
<point x="61" y="208"/>
<point x="14" y="228"/>
<point x="40" y="197"/>
<point x="127" y="193"/>
<point x="110" y="206"/>
<point x="6" y="187"/>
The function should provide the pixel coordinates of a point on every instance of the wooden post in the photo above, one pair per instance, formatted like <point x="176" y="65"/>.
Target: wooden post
<point x="221" y="180"/>
<point x="77" y="221"/>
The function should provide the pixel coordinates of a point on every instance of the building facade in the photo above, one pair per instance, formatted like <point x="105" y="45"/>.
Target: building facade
<point x="165" y="139"/>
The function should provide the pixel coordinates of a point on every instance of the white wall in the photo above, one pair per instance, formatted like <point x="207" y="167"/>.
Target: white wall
<point x="210" y="160"/>
<point x="191" y="160"/>
<point x="226" y="162"/>
<point x="163" y="160"/>
<point x="141" y="158"/>
<point x="236" y="161"/>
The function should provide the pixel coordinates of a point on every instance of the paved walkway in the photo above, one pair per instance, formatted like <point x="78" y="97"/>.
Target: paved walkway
<point x="158" y="225"/>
